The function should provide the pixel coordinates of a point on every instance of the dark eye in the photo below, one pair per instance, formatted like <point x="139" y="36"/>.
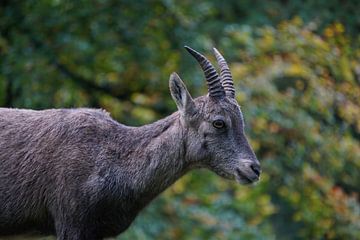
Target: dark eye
<point x="218" y="124"/>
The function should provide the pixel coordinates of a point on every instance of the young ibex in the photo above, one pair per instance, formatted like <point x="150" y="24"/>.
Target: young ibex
<point x="80" y="175"/>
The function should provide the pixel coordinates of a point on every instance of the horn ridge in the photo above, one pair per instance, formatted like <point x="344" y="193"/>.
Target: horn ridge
<point x="213" y="80"/>
<point x="225" y="74"/>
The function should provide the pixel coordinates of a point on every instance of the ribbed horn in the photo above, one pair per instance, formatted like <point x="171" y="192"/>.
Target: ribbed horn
<point x="215" y="88"/>
<point x="225" y="75"/>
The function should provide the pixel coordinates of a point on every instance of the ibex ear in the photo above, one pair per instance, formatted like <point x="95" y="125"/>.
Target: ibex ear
<point x="181" y="95"/>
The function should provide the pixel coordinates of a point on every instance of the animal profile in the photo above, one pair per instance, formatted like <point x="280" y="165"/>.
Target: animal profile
<point x="80" y="175"/>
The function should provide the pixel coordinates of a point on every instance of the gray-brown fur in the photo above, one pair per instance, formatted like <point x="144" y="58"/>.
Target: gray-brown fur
<point x="78" y="174"/>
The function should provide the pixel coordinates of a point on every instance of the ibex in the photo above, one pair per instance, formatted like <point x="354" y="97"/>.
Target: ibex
<point x="80" y="175"/>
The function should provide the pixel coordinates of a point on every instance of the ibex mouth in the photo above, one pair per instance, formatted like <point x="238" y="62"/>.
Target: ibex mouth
<point x="245" y="178"/>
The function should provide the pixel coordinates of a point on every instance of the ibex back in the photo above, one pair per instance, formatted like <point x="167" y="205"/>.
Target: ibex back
<point x="80" y="175"/>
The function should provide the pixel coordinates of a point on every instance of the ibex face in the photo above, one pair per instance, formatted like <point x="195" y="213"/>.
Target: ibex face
<point x="214" y="125"/>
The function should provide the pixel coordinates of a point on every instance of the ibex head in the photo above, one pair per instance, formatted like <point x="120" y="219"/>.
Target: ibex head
<point x="214" y="125"/>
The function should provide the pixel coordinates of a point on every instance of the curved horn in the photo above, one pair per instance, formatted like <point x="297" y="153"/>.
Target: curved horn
<point x="212" y="78"/>
<point x="225" y="74"/>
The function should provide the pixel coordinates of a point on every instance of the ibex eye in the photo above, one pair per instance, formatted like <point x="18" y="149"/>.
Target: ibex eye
<point x="218" y="123"/>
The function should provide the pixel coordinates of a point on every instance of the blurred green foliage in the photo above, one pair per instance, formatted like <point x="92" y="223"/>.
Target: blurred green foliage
<point x="297" y="74"/>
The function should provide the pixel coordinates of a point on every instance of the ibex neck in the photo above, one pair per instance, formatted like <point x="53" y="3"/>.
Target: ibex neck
<point x="161" y="161"/>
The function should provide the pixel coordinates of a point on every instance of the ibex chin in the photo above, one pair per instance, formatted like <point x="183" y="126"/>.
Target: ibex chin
<point x="80" y="175"/>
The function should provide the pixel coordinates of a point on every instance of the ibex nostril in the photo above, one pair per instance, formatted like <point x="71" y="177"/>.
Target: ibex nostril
<point x="256" y="168"/>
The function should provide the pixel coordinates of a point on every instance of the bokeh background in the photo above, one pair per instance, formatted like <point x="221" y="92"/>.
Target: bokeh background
<point x="297" y="75"/>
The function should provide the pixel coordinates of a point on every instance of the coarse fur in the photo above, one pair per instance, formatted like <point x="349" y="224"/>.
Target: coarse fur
<point x="80" y="175"/>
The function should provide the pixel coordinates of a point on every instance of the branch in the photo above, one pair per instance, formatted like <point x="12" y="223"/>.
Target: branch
<point x="89" y="84"/>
